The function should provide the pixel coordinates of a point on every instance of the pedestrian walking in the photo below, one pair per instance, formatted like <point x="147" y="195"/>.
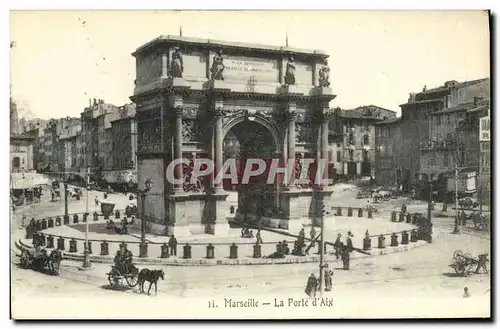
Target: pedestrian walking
<point x="328" y="278"/>
<point x="312" y="234"/>
<point x="337" y="245"/>
<point x="258" y="237"/>
<point x="466" y="292"/>
<point x="312" y="286"/>
<point x="96" y="201"/>
<point x="172" y="243"/>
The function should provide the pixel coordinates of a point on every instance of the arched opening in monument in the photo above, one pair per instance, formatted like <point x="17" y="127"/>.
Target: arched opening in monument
<point x="16" y="163"/>
<point x="256" y="198"/>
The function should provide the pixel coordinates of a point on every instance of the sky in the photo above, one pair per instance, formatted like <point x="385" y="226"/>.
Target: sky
<point x="60" y="59"/>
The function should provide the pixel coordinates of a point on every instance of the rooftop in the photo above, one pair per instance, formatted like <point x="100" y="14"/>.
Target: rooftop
<point x="388" y="122"/>
<point x="174" y="39"/>
<point x="455" y="85"/>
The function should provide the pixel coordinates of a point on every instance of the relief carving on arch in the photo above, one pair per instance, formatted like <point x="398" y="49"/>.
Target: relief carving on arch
<point x="303" y="133"/>
<point x="190" y="130"/>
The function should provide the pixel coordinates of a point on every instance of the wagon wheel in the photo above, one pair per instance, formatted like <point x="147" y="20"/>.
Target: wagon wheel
<point x="132" y="279"/>
<point x="470" y="267"/>
<point x="24" y="260"/>
<point x="457" y="254"/>
<point x="459" y="269"/>
<point x="114" y="277"/>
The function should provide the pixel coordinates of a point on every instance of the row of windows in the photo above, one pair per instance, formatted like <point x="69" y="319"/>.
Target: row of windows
<point x="351" y="139"/>
<point x="365" y="155"/>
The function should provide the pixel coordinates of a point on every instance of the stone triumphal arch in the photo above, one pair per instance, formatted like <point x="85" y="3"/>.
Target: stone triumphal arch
<point x="192" y="93"/>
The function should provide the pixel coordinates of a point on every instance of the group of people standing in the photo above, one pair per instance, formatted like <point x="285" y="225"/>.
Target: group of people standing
<point x="342" y="250"/>
<point x="313" y="283"/>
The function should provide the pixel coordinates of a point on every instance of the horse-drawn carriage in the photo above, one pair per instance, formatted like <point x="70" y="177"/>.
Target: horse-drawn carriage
<point x="38" y="259"/>
<point x="363" y="194"/>
<point x="128" y="273"/>
<point x="464" y="264"/>
<point x="381" y="195"/>
<point x="468" y="203"/>
<point x="481" y="221"/>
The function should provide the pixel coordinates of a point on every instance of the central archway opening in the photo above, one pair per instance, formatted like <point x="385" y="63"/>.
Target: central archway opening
<point x="258" y="197"/>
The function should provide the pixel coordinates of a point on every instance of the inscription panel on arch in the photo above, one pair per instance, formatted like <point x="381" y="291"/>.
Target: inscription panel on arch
<point x="251" y="69"/>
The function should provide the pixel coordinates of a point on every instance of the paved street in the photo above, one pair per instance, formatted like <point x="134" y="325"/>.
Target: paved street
<point x="371" y="282"/>
<point x="424" y="272"/>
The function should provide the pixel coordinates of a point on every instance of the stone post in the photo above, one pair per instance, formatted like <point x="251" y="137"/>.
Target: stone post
<point x="233" y="251"/>
<point x="257" y="251"/>
<point x="210" y="251"/>
<point x="50" y="241"/>
<point x="164" y="251"/>
<point x="187" y="251"/>
<point x="104" y="248"/>
<point x="394" y="240"/>
<point x="72" y="245"/>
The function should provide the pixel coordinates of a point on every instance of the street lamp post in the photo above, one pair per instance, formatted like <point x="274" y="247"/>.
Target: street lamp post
<point x="430" y="183"/>
<point x="143" y="247"/>
<point x="456" y="229"/>
<point x="66" y="199"/>
<point x="86" y="253"/>
<point x="321" y="250"/>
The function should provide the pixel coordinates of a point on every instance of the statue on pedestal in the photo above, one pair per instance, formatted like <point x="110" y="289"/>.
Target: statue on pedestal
<point x="290" y="71"/>
<point x="324" y="75"/>
<point x="176" y="65"/>
<point x="218" y="66"/>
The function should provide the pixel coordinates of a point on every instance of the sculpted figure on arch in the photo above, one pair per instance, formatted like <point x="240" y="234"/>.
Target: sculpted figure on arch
<point x="290" y="71"/>
<point x="177" y="65"/>
<point x="218" y="66"/>
<point x="324" y="75"/>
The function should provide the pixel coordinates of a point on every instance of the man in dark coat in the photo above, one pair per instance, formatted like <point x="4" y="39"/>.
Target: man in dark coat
<point x="348" y="243"/>
<point x="338" y="246"/>
<point x="172" y="243"/>
<point x="312" y="286"/>
<point x="346" y="258"/>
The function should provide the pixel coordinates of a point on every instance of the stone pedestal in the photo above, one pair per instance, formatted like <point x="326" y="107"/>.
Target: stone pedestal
<point x="177" y="83"/>
<point x="216" y="84"/>
<point x="290" y="89"/>
<point x="303" y="207"/>
<point x="192" y="214"/>
<point x="323" y="91"/>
